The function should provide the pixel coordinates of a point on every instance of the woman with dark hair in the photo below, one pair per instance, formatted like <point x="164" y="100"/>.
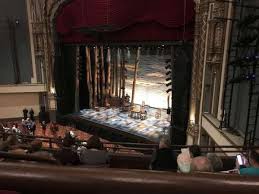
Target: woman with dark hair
<point x="94" y="142"/>
<point x="164" y="158"/>
<point x="253" y="159"/>
<point x="67" y="155"/>
<point x="195" y="151"/>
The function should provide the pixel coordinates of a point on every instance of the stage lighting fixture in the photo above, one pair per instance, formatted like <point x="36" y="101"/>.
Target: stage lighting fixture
<point x="241" y="78"/>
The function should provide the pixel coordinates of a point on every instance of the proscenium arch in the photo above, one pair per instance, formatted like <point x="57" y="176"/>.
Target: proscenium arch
<point x="51" y="9"/>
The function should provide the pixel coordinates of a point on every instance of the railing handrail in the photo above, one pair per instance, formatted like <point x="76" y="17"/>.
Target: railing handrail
<point x="138" y="147"/>
<point x="27" y="157"/>
<point x="29" y="178"/>
<point x="57" y="140"/>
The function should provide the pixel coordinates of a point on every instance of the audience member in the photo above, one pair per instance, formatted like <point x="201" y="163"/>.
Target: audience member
<point x="23" y="123"/>
<point x="201" y="164"/>
<point x="54" y="128"/>
<point x="69" y="139"/>
<point x="93" y="153"/>
<point x="164" y="158"/>
<point x="184" y="161"/>
<point x="32" y="114"/>
<point x="216" y="162"/>
<point x="15" y="128"/>
<point x="67" y="155"/>
<point x="43" y="119"/>
<point x="195" y="151"/>
<point x="30" y="125"/>
<point x="6" y="128"/>
<point x="25" y="113"/>
<point x="35" y="146"/>
<point x="253" y="159"/>
<point x="6" y="144"/>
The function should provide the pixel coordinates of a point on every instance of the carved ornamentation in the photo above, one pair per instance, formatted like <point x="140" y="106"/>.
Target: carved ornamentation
<point x="215" y="46"/>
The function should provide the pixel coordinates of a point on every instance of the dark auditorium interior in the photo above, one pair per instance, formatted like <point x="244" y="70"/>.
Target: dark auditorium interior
<point x="129" y="96"/>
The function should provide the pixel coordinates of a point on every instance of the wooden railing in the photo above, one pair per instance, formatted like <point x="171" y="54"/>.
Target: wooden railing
<point x="29" y="178"/>
<point x="141" y="147"/>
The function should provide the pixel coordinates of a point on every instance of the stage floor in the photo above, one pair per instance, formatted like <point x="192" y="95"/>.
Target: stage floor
<point x="150" y="129"/>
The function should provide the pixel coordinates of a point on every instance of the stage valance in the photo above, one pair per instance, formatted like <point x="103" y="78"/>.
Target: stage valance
<point x="83" y="21"/>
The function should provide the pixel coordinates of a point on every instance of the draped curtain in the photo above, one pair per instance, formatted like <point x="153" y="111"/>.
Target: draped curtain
<point x="126" y="20"/>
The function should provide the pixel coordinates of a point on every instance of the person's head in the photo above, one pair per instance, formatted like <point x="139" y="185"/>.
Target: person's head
<point x="69" y="139"/>
<point x="195" y="151"/>
<point x="94" y="142"/>
<point x="15" y="125"/>
<point x="35" y="146"/>
<point x="164" y="142"/>
<point x="254" y="158"/>
<point x="216" y="162"/>
<point x="184" y="162"/>
<point x="201" y="164"/>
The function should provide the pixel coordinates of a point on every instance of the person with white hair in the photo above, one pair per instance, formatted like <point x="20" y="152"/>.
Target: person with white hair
<point x="184" y="161"/>
<point x="216" y="162"/>
<point x="164" y="158"/>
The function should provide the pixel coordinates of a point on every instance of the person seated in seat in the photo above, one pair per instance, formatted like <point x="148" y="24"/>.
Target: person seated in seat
<point x="195" y="151"/>
<point x="31" y="126"/>
<point x="201" y="164"/>
<point x="253" y="159"/>
<point x="69" y="139"/>
<point x="15" y="128"/>
<point x="184" y="161"/>
<point x="93" y="153"/>
<point x="164" y="158"/>
<point x="6" y="128"/>
<point x="54" y="128"/>
<point x="67" y="154"/>
<point x="6" y="144"/>
<point x="216" y="162"/>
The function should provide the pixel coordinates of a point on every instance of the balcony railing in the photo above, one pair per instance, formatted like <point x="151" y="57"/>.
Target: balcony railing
<point x="31" y="178"/>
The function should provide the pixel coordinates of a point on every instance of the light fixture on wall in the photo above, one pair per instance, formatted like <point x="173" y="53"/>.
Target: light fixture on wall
<point x="52" y="99"/>
<point x="192" y="123"/>
<point x="193" y="128"/>
<point x="53" y="90"/>
<point x="17" y="21"/>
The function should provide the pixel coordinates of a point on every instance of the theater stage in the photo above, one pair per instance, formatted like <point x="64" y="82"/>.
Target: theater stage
<point x="120" y="124"/>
